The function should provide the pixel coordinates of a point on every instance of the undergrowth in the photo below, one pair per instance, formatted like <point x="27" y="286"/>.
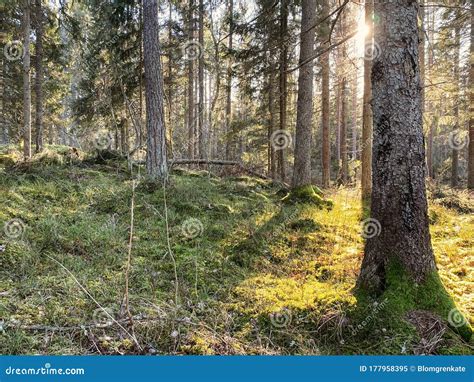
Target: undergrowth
<point x="255" y="275"/>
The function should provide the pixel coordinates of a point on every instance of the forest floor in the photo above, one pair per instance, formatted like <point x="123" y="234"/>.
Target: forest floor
<point x="247" y="274"/>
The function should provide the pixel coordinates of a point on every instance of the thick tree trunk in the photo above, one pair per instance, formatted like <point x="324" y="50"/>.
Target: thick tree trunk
<point x="399" y="205"/>
<point x="283" y="84"/>
<point x="228" y="106"/>
<point x="366" y="156"/>
<point x="39" y="76"/>
<point x="470" y="160"/>
<point x="26" y="81"/>
<point x="156" y="163"/>
<point x="457" y="125"/>
<point x="304" y="112"/>
<point x="326" y="144"/>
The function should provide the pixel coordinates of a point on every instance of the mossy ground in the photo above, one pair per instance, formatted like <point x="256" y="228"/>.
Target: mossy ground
<point x="254" y="275"/>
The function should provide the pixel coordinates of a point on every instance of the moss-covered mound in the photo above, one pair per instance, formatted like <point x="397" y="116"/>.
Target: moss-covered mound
<point x="308" y="194"/>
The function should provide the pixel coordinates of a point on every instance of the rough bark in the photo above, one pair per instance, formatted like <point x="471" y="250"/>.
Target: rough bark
<point x="156" y="163"/>
<point x="26" y="81"/>
<point x="366" y="156"/>
<point x="39" y="76"/>
<point x="283" y="83"/>
<point x="470" y="160"/>
<point x="324" y="59"/>
<point x="398" y="197"/>
<point x="304" y="112"/>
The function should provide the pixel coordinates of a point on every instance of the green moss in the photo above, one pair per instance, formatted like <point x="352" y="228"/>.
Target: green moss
<point x="404" y="295"/>
<point x="308" y="194"/>
<point x="252" y="257"/>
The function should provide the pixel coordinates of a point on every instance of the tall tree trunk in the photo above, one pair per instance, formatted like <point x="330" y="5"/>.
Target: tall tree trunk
<point x="156" y="164"/>
<point x="338" y="109"/>
<point x="326" y="144"/>
<point x="169" y="79"/>
<point x="457" y="125"/>
<point x="190" y="103"/>
<point x="39" y="76"/>
<point x="470" y="160"/>
<point x="343" y="152"/>
<point x="304" y="112"/>
<point x="26" y="81"/>
<point x="271" y="122"/>
<point x="228" y="106"/>
<point x="366" y="156"/>
<point x="140" y="79"/>
<point x="399" y="206"/>
<point x="343" y="137"/>
<point x="354" y="112"/>
<point x="283" y="84"/>
<point x="201" y="135"/>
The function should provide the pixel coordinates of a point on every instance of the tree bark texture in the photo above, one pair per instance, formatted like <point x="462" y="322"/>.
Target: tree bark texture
<point x="399" y="205"/>
<point x="156" y="163"/>
<point x="304" y="112"/>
